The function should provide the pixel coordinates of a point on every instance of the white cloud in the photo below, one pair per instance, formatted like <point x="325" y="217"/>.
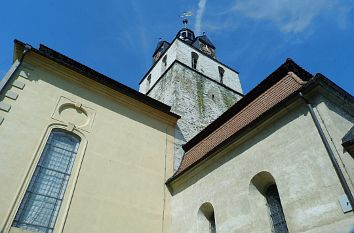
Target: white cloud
<point x="289" y="15"/>
<point x="199" y="16"/>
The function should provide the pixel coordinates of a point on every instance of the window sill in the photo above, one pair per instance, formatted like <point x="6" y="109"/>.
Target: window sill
<point x="18" y="230"/>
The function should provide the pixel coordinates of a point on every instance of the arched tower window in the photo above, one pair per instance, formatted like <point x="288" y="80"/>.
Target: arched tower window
<point x="221" y="74"/>
<point x="206" y="219"/>
<point x="164" y="63"/>
<point x="276" y="209"/>
<point x="148" y="82"/>
<point x="40" y="205"/>
<point x="194" y="60"/>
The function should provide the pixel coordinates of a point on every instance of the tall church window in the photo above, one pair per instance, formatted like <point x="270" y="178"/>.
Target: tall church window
<point x="206" y="219"/>
<point x="276" y="210"/>
<point x="194" y="60"/>
<point x="221" y="74"/>
<point x="40" y="205"/>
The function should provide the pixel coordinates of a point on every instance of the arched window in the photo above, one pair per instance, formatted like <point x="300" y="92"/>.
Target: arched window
<point x="40" y="205"/>
<point x="221" y="74"/>
<point x="265" y="201"/>
<point x="206" y="219"/>
<point x="276" y="209"/>
<point x="164" y="64"/>
<point x="148" y="82"/>
<point x="164" y="60"/>
<point x="194" y="60"/>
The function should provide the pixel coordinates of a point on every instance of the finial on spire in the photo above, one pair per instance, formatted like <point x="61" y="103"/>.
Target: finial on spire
<point x="185" y="22"/>
<point x="184" y="16"/>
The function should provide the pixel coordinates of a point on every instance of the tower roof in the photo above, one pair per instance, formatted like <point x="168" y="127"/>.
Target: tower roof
<point x="186" y="35"/>
<point x="205" y="40"/>
<point x="161" y="44"/>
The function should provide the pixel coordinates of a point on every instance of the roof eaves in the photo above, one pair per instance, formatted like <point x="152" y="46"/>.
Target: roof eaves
<point x="100" y="78"/>
<point x="317" y="80"/>
<point x="284" y="103"/>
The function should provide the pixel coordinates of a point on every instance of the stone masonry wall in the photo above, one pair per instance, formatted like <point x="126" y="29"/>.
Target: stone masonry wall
<point x="198" y="101"/>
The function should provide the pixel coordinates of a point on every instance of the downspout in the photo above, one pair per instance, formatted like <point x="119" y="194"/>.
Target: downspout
<point x="14" y="67"/>
<point x="330" y="153"/>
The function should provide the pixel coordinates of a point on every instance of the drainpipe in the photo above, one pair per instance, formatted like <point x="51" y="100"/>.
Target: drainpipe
<point x="330" y="153"/>
<point x="14" y="67"/>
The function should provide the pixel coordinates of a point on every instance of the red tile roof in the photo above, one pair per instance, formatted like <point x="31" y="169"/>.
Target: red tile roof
<point x="279" y="85"/>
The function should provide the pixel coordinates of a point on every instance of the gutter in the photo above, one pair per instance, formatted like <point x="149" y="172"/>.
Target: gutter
<point x="14" y="67"/>
<point x="330" y="152"/>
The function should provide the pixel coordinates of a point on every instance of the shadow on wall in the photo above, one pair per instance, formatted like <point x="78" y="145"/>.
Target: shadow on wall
<point x="206" y="218"/>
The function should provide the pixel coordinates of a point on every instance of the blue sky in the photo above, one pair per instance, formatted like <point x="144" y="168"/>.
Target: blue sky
<point x="117" y="38"/>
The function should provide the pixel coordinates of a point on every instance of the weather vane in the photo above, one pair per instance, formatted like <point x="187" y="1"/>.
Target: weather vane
<point x="184" y="17"/>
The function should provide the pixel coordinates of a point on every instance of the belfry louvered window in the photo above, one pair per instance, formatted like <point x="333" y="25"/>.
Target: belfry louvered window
<point x="276" y="210"/>
<point x="40" y="205"/>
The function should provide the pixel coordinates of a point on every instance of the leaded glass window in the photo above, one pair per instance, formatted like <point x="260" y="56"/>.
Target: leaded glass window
<point x="212" y="227"/>
<point x="40" y="205"/>
<point x="276" y="210"/>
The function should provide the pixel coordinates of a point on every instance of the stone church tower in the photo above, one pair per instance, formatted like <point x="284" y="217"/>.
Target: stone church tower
<point x="187" y="76"/>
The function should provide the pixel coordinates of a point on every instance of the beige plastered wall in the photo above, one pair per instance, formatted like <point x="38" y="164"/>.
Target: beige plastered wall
<point x="287" y="146"/>
<point x="125" y="155"/>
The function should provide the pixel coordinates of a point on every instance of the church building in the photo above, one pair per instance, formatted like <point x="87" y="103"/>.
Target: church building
<point x="189" y="152"/>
